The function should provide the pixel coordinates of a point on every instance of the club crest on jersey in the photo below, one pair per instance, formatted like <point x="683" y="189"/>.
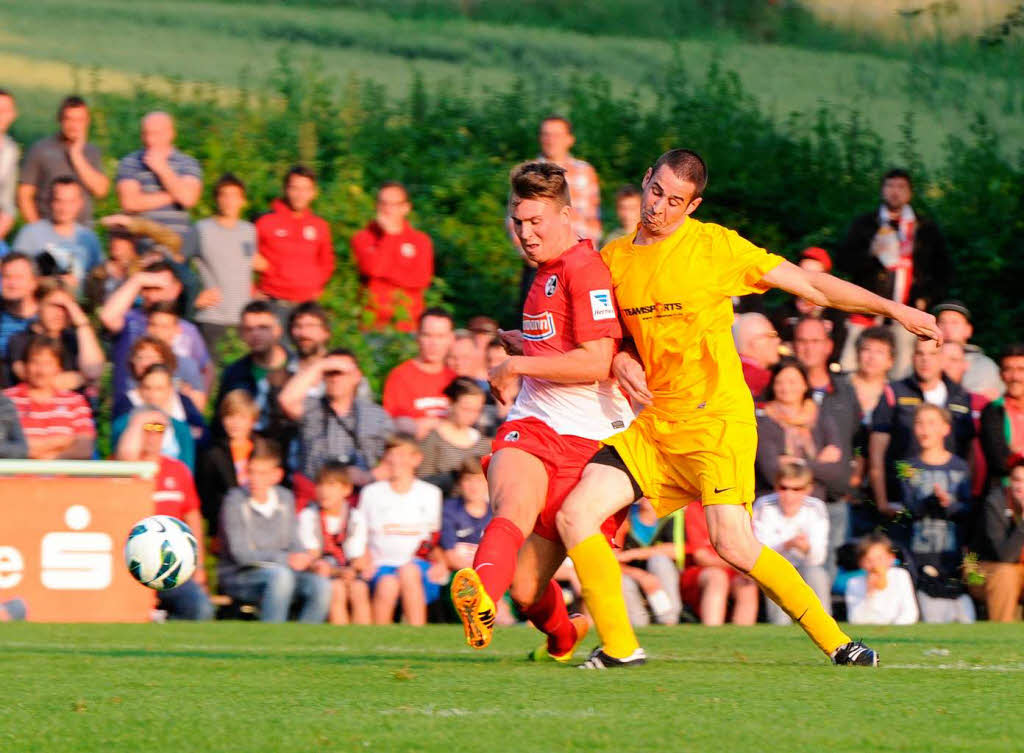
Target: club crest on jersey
<point x="512" y="436"/>
<point x="551" y="286"/>
<point x="538" y="326"/>
<point x="601" y="305"/>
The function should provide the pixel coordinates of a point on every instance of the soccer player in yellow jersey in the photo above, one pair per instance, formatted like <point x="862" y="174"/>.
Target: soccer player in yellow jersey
<point x="696" y="439"/>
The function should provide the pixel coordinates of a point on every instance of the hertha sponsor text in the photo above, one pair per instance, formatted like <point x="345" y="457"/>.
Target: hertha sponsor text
<point x="538" y="326"/>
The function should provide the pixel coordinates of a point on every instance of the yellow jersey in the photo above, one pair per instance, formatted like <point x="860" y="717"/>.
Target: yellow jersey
<point x="675" y="300"/>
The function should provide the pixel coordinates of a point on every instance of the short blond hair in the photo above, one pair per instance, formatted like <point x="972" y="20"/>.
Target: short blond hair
<point x="238" y="401"/>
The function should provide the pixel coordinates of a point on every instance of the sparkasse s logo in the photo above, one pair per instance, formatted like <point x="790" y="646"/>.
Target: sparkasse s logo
<point x="538" y="326"/>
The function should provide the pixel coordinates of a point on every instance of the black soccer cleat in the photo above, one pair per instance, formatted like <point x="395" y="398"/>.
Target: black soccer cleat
<point x="598" y="659"/>
<point x="855" y="654"/>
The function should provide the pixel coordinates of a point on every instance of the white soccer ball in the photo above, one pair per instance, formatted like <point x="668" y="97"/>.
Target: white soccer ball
<point x="161" y="552"/>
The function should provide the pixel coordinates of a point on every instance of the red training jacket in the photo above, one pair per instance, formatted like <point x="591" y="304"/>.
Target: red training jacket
<point x="299" y="251"/>
<point x="397" y="269"/>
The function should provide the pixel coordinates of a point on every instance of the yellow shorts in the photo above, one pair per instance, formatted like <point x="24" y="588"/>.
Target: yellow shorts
<point x="710" y="458"/>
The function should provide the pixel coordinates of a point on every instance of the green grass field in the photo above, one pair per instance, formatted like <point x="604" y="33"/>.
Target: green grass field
<point x="251" y="687"/>
<point x="46" y="46"/>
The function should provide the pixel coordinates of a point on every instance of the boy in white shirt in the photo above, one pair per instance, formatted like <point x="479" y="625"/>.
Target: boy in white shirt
<point x="403" y="522"/>
<point x="885" y="594"/>
<point x="795" y="524"/>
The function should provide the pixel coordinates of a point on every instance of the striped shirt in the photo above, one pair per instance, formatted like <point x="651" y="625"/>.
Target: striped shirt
<point x="173" y="215"/>
<point x="66" y="413"/>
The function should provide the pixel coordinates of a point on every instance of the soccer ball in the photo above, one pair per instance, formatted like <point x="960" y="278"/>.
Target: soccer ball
<point x="161" y="552"/>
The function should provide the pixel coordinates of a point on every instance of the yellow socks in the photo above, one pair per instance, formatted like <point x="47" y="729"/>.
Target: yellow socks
<point x="601" y="578"/>
<point x="782" y="584"/>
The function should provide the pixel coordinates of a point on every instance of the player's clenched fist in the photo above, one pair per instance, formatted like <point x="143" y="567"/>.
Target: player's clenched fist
<point x="629" y="373"/>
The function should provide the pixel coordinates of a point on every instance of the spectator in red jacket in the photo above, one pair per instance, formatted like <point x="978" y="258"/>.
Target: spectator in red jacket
<point x="295" y="257"/>
<point x="396" y="261"/>
<point x="414" y="390"/>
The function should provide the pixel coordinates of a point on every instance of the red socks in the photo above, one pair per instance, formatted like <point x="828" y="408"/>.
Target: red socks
<point x="495" y="559"/>
<point x="549" y="615"/>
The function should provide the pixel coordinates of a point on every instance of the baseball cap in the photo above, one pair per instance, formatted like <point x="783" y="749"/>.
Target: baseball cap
<point x="819" y="255"/>
<point x="957" y="306"/>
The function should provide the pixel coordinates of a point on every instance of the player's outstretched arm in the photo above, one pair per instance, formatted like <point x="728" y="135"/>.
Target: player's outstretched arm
<point x="590" y="362"/>
<point x="825" y="290"/>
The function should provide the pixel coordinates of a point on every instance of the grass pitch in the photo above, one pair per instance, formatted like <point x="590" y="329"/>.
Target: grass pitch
<point x="252" y="687"/>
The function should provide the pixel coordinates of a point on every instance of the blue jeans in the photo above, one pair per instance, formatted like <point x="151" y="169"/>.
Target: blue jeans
<point x="275" y="587"/>
<point x="186" y="602"/>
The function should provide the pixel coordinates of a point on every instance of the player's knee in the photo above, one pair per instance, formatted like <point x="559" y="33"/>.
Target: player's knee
<point x="574" y="525"/>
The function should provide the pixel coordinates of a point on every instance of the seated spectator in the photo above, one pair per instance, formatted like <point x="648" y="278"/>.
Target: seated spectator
<point x="884" y="595"/>
<point x="223" y="247"/>
<point x="123" y="258"/>
<point x="225" y="463"/>
<point x="156" y="389"/>
<point x="57" y="423"/>
<point x="145" y="352"/>
<point x="982" y="374"/>
<point x="1002" y="420"/>
<point x="791" y="427"/>
<point x="18" y="283"/>
<point x="954" y="366"/>
<point x="60" y="245"/>
<point x="708" y="581"/>
<point x="414" y="390"/>
<point x="757" y="343"/>
<point x="309" y="329"/>
<point x="339" y="425"/>
<point x="999" y="544"/>
<point x="261" y="372"/>
<point x="795" y="524"/>
<point x="892" y="435"/>
<point x="403" y="519"/>
<point x="786" y="316"/>
<point x="334" y="534"/>
<point x="174" y="494"/>
<point x="157" y="181"/>
<point x="163" y="323"/>
<point x="9" y="153"/>
<point x="12" y="438"/>
<point x="936" y="490"/>
<point x="157" y="283"/>
<point x="627" y="211"/>
<point x="650" y="575"/>
<point x="495" y="353"/>
<point x="295" y="257"/>
<point x="395" y="261"/>
<point x="60" y="318"/>
<point x="263" y="560"/>
<point x="465" y="515"/>
<point x="456" y="438"/>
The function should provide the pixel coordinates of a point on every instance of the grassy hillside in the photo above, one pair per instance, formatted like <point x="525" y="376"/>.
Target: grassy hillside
<point x="48" y="45"/>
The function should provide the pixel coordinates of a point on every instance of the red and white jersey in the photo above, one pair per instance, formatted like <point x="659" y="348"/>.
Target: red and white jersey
<point x="571" y="302"/>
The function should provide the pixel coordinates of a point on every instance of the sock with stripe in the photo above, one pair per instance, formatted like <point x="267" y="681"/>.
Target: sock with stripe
<point x="601" y="579"/>
<point x="549" y="615"/>
<point x="495" y="560"/>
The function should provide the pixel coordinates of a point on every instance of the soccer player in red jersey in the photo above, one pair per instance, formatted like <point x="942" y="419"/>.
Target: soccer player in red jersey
<point x="566" y="404"/>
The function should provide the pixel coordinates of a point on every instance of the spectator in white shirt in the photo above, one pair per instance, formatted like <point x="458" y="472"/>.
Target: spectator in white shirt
<point x="795" y="524"/>
<point x="403" y="521"/>
<point x="884" y="595"/>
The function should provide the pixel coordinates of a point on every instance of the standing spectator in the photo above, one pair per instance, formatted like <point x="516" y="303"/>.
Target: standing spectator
<point x="309" y="329"/>
<point x="898" y="255"/>
<point x="982" y="375"/>
<point x="174" y="494"/>
<point x="414" y="390"/>
<point x="156" y="389"/>
<point x="157" y="181"/>
<point x="61" y="246"/>
<point x="791" y="427"/>
<point x="18" y="283"/>
<point x="455" y="439"/>
<point x="794" y="310"/>
<point x="627" y="211"/>
<point x="57" y="423"/>
<point x="223" y="247"/>
<point x="884" y="595"/>
<point x="60" y="318"/>
<point x="892" y="435"/>
<point x="395" y="261"/>
<point x="295" y="258"/>
<point x="263" y="560"/>
<point x="156" y="283"/>
<point x="937" y="493"/>
<point x="757" y="343"/>
<point x="556" y="139"/>
<point x="403" y="520"/>
<point x="1002" y="420"/>
<point x="334" y="534"/>
<point x="263" y="371"/>
<point x="12" y="438"/>
<point x="795" y="524"/>
<point x="66" y="153"/>
<point x="339" y="425"/>
<point x="9" y="154"/>
<point x="999" y="543"/>
<point x="650" y="573"/>
<point x="225" y="464"/>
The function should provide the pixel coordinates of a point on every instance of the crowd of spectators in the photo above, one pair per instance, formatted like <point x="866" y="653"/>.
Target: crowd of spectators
<point x="889" y="472"/>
